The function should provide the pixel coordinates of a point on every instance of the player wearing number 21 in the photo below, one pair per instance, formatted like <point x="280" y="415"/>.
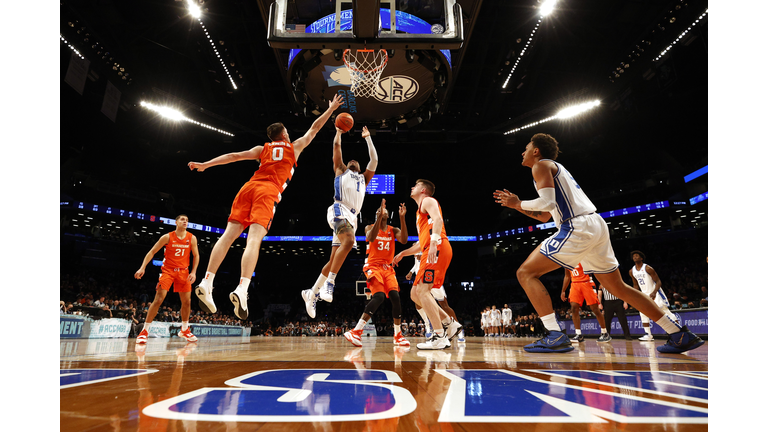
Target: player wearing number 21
<point x="348" y="194"/>
<point x="179" y="244"/>
<point x="255" y="204"/>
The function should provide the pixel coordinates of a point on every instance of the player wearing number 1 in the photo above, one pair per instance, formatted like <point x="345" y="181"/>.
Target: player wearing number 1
<point x="179" y="244"/>
<point x="255" y="204"/>
<point x="348" y="194"/>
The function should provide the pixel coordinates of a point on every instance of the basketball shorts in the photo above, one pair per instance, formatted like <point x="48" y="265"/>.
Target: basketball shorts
<point x="438" y="293"/>
<point x="495" y="322"/>
<point x="661" y="298"/>
<point x="434" y="273"/>
<point x="506" y="322"/>
<point x="255" y="203"/>
<point x="178" y="278"/>
<point x="338" y="213"/>
<point x="582" y="239"/>
<point x="581" y="291"/>
<point x="381" y="278"/>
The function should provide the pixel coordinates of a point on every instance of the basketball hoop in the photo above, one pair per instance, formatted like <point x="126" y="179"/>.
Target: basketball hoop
<point x="365" y="67"/>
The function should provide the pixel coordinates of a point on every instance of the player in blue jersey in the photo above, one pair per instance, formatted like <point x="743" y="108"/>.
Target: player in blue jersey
<point x="582" y="237"/>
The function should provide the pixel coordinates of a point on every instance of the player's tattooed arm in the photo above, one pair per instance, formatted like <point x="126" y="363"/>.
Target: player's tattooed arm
<point x="538" y="215"/>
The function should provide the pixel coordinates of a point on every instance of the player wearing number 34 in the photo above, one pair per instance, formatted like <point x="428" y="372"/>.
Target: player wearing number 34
<point x="255" y="204"/>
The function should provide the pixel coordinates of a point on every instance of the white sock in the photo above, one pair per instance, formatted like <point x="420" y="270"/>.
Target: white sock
<point x="360" y="324"/>
<point x="208" y="280"/>
<point x="648" y="330"/>
<point x="423" y="314"/>
<point x="668" y="324"/>
<point x="578" y="331"/>
<point x="446" y="321"/>
<point x="147" y="326"/>
<point x="244" y="283"/>
<point x="319" y="283"/>
<point x="331" y="277"/>
<point x="440" y="333"/>
<point x="602" y="331"/>
<point x="550" y="322"/>
<point x="397" y="329"/>
<point x="184" y="325"/>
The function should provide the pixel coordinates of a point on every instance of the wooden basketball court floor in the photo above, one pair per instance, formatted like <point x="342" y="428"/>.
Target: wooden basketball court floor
<point x="326" y="384"/>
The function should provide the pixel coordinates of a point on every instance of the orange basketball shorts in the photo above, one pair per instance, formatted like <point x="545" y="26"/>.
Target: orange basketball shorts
<point x="581" y="291"/>
<point x="434" y="273"/>
<point x="381" y="278"/>
<point x="255" y="203"/>
<point x="177" y="278"/>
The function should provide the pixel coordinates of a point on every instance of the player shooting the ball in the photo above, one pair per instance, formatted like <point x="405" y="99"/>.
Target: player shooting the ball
<point x="349" y="190"/>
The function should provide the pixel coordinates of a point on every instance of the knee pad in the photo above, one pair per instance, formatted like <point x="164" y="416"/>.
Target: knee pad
<point x="375" y="302"/>
<point x="397" y="311"/>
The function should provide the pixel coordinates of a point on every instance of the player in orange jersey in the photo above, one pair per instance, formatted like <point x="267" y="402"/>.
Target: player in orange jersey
<point x="179" y="245"/>
<point x="380" y="275"/>
<point x="583" y="288"/>
<point x="436" y="256"/>
<point x="255" y="204"/>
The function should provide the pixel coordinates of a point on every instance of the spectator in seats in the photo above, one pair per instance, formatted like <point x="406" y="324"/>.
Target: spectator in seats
<point x="704" y="303"/>
<point x="104" y="313"/>
<point x="691" y="305"/>
<point x="134" y="323"/>
<point x="704" y="294"/>
<point x="99" y="303"/>
<point x="62" y="308"/>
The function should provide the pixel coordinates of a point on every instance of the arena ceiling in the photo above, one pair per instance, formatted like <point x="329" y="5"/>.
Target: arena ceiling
<point x="651" y="123"/>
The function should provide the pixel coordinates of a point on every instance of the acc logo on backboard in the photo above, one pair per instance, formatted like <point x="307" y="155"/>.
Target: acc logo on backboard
<point x="396" y="89"/>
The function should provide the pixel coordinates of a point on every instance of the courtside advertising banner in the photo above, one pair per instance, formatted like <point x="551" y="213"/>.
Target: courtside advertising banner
<point x="696" y="320"/>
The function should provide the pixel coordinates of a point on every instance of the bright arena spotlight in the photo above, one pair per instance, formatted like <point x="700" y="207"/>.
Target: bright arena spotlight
<point x="544" y="10"/>
<point x="194" y="9"/>
<point x="565" y="113"/>
<point x="176" y="115"/>
<point x="547" y="7"/>
<point x="71" y="47"/>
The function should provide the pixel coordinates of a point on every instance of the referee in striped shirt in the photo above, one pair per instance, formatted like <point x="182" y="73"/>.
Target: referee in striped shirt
<point x="613" y="305"/>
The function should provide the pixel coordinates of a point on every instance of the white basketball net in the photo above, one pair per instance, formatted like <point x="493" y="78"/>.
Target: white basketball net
<point x="365" y="67"/>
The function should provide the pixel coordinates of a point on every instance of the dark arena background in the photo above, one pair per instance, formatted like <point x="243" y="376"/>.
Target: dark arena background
<point x="147" y="87"/>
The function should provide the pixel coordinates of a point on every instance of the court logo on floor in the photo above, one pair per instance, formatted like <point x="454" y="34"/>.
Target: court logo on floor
<point x="77" y="377"/>
<point x="294" y="395"/>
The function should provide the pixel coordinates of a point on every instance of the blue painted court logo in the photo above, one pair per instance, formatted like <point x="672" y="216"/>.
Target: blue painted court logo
<point x="77" y="377"/>
<point x="295" y="395"/>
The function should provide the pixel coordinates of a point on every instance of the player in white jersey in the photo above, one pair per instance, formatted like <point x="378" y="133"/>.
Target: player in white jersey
<point x="645" y="279"/>
<point x="348" y="194"/>
<point x="582" y="237"/>
<point x="495" y="316"/>
<point x="484" y="321"/>
<point x="506" y="320"/>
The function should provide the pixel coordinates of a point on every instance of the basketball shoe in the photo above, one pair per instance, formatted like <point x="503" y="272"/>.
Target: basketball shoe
<point x="187" y="334"/>
<point x="434" y="343"/>
<point x="326" y="292"/>
<point x="604" y="337"/>
<point x="399" y="340"/>
<point x="142" y="337"/>
<point x="452" y="329"/>
<point x="240" y="300"/>
<point x="682" y="341"/>
<point x="553" y="341"/>
<point x="578" y="338"/>
<point x="310" y="301"/>
<point x="461" y="336"/>
<point x="353" y="336"/>
<point x="203" y="294"/>
<point x="646" y="338"/>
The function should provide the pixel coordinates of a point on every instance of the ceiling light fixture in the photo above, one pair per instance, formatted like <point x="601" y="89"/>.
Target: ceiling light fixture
<point x="194" y="10"/>
<point x="71" y="47"/>
<point x="680" y="37"/>
<point x="544" y="10"/>
<point x="563" y="114"/>
<point x="176" y="115"/>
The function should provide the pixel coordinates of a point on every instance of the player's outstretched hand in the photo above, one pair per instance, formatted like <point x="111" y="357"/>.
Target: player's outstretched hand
<point x="365" y="133"/>
<point x="139" y="274"/>
<point x="506" y="198"/>
<point x="196" y="166"/>
<point x="336" y="102"/>
<point x="401" y="211"/>
<point x="397" y="259"/>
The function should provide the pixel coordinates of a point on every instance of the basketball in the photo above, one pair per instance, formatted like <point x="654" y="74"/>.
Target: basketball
<point x="344" y="122"/>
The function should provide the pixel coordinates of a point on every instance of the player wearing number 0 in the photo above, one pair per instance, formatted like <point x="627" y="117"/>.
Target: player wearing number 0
<point x="583" y="288"/>
<point x="645" y="279"/>
<point x="582" y="237"/>
<point x="255" y="204"/>
<point x="436" y="256"/>
<point x="179" y="244"/>
<point x="379" y="274"/>
<point x="348" y="194"/>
